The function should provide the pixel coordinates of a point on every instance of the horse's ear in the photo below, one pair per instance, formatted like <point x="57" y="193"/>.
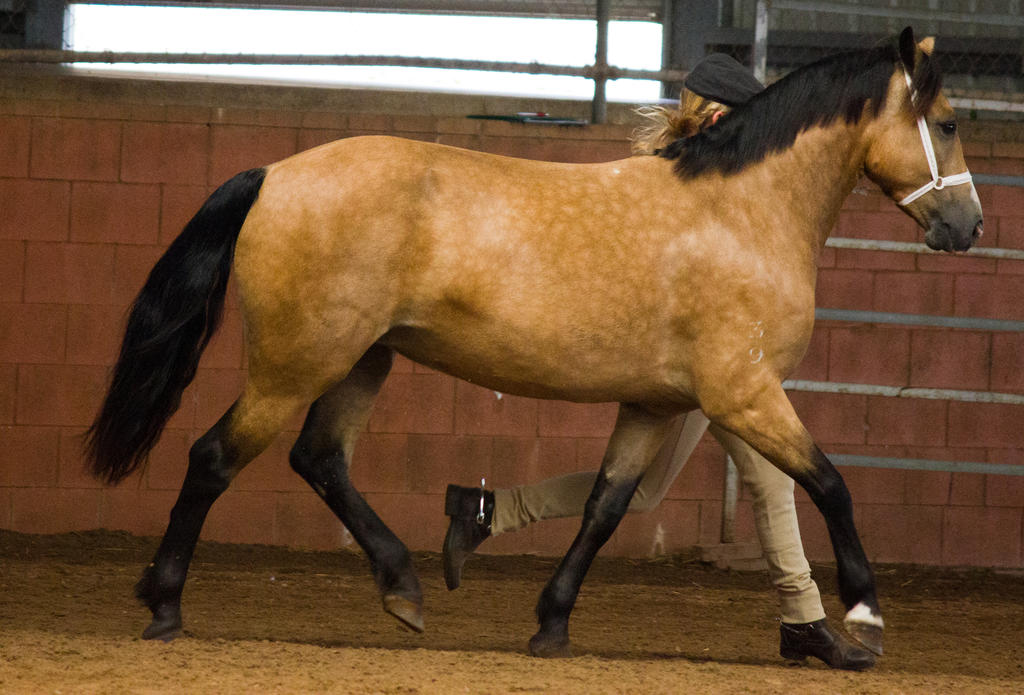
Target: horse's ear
<point x="908" y="49"/>
<point x="927" y="45"/>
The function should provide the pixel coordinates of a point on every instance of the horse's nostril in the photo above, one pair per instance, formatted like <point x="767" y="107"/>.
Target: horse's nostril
<point x="979" y="230"/>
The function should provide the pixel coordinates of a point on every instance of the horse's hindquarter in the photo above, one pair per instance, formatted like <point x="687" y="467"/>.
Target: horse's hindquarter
<point x="319" y="261"/>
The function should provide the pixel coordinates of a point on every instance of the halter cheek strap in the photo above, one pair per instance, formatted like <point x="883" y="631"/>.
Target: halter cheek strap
<point x="938" y="182"/>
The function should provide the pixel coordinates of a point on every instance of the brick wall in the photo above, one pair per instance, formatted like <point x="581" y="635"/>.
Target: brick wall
<point x="97" y="177"/>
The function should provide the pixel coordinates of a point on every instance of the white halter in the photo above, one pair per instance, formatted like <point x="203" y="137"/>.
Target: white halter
<point x="937" y="182"/>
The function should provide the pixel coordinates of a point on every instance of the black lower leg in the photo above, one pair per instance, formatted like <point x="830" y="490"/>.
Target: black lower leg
<point x="390" y="561"/>
<point x="827" y="490"/>
<point x="605" y="508"/>
<point x="162" y="582"/>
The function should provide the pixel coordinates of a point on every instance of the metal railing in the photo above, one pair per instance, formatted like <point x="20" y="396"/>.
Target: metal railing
<point x="730" y="488"/>
<point x="978" y="52"/>
<point x="600" y="72"/>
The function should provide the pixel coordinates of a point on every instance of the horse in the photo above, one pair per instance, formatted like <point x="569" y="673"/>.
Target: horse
<point x="665" y="283"/>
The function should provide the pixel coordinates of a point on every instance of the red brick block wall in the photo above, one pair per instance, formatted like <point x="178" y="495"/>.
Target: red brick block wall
<point x="92" y="190"/>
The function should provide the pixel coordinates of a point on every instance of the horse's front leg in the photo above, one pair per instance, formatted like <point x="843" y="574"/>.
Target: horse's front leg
<point x="770" y="425"/>
<point x="857" y="590"/>
<point x="634" y="442"/>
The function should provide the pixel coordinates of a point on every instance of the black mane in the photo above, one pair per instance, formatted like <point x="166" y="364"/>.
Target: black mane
<point x="817" y="94"/>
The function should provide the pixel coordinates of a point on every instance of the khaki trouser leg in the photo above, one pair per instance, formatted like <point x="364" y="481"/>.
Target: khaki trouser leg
<point x="566" y="495"/>
<point x="772" y="491"/>
<point x="777" y="529"/>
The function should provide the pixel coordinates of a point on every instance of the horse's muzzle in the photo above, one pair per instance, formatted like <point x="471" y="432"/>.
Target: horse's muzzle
<point x="943" y="236"/>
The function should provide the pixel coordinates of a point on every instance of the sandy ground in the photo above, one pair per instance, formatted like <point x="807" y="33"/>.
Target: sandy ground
<point x="270" y="620"/>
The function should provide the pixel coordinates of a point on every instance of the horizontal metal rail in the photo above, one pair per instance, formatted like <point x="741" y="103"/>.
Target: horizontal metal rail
<point x="966" y="322"/>
<point x="910" y="247"/>
<point x="912" y="392"/>
<point x="999" y="179"/>
<point x="926" y="465"/>
<point x="648" y="10"/>
<point x="899" y="12"/>
<point x="903" y="392"/>
<point x="909" y="392"/>
<point x="967" y="103"/>
<point x="609" y="72"/>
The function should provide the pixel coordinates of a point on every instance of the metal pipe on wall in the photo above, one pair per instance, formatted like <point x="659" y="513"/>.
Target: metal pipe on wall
<point x="759" y="57"/>
<point x="730" y="486"/>
<point x="599" y="107"/>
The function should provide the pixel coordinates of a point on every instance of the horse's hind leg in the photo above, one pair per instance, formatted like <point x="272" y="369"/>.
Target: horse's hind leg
<point x="771" y="426"/>
<point x="637" y="436"/>
<point x="214" y="460"/>
<point x="322" y="455"/>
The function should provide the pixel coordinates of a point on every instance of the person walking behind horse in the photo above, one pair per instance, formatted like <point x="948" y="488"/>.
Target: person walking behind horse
<point x="715" y="85"/>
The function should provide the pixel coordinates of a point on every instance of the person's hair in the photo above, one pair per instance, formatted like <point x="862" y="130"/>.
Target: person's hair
<point x="667" y="124"/>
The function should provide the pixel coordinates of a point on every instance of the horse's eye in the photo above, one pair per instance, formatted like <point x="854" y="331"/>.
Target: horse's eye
<point x="948" y="127"/>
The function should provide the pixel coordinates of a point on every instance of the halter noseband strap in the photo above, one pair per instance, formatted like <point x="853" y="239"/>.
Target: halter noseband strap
<point x="938" y="182"/>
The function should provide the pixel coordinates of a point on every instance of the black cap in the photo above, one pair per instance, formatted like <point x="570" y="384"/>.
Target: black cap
<point x="721" y="78"/>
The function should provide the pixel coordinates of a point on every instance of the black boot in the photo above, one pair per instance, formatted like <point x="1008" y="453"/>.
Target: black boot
<point x="471" y="510"/>
<point x="799" y="641"/>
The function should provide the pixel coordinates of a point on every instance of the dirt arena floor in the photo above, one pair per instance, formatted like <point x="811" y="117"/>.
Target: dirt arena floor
<point x="271" y="620"/>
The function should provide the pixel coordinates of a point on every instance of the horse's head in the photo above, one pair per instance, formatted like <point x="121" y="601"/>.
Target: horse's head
<point x="915" y="153"/>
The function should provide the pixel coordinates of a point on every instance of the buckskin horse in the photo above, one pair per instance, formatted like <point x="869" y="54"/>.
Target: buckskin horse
<point x="664" y="283"/>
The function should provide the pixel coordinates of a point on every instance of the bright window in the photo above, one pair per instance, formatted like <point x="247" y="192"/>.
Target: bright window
<point x="213" y="30"/>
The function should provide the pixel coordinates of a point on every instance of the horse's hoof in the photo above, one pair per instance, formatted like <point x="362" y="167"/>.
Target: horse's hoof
<point x="548" y="647"/>
<point x="870" y="636"/>
<point x="161" y="633"/>
<point x="166" y="625"/>
<point x="865" y="625"/>
<point x="408" y="612"/>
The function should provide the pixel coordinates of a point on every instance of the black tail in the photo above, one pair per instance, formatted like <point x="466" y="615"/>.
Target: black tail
<point x="173" y="318"/>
